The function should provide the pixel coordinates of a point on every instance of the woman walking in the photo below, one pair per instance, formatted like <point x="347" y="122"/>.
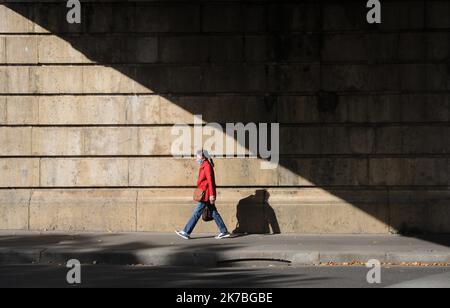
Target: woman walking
<point x="207" y="186"/>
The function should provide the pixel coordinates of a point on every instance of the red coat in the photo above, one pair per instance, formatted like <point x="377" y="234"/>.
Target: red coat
<point x="206" y="180"/>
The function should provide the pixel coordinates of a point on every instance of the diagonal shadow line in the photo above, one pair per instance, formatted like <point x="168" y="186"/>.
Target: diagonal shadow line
<point x="123" y="53"/>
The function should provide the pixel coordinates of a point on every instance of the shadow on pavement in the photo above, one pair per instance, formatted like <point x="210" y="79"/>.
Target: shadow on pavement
<point x="155" y="277"/>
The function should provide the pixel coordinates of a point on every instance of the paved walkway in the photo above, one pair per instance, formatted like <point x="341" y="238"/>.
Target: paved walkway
<point x="204" y="250"/>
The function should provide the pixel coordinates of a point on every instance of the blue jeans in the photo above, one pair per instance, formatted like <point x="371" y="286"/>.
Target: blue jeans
<point x="198" y="213"/>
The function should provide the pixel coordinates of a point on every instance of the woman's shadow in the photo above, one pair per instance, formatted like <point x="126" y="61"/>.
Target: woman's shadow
<point x="256" y="216"/>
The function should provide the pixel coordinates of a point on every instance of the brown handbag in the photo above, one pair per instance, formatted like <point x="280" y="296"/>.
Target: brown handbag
<point x="198" y="195"/>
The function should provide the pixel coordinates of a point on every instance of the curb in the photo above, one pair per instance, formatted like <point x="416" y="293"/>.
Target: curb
<point x="167" y="257"/>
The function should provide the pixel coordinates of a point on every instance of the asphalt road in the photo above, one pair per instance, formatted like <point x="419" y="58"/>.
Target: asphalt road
<point x="231" y="277"/>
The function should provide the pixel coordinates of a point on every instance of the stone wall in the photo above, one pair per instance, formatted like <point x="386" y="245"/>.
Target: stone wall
<point x="86" y="113"/>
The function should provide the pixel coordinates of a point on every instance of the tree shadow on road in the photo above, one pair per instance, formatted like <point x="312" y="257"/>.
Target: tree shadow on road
<point x="107" y="263"/>
<point x="155" y="277"/>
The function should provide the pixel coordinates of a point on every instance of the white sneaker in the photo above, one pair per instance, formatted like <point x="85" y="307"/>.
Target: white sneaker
<point x="183" y="235"/>
<point x="223" y="235"/>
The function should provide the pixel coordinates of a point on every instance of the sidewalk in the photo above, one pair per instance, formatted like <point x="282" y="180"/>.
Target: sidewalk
<point x="204" y="250"/>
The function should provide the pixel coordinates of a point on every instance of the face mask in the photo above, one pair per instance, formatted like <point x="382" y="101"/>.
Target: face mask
<point x="199" y="161"/>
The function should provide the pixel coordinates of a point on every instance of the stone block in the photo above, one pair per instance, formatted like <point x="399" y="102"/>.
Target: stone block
<point x="3" y="109"/>
<point x="409" y="171"/>
<point x="294" y="17"/>
<point x="345" y="77"/>
<point x="424" y="108"/>
<point x="2" y="49"/>
<point x="16" y="80"/>
<point x="256" y="48"/>
<point x="119" y="141"/>
<point x="413" y="47"/>
<point x="83" y="210"/>
<point x="227" y="17"/>
<point x="387" y="78"/>
<point x="438" y="46"/>
<point x="14" y="209"/>
<point x="414" y="77"/>
<point x="102" y="79"/>
<point x="153" y="79"/>
<point x="294" y="78"/>
<point x="103" y="49"/>
<point x="426" y="140"/>
<point x="21" y="49"/>
<point x="437" y="77"/>
<point x="401" y="16"/>
<point x="144" y="109"/>
<point x="234" y="78"/>
<point x="420" y="211"/>
<point x="15" y="141"/>
<point x="58" y="79"/>
<point x="19" y="172"/>
<point x="3" y="81"/>
<point x="57" y="141"/>
<point x="54" y="50"/>
<point x="437" y="13"/>
<point x="345" y="48"/>
<point x="305" y="109"/>
<point x="217" y="109"/>
<point x="155" y="141"/>
<point x="166" y="18"/>
<point x="323" y="172"/>
<point x="84" y="172"/>
<point x="139" y="49"/>
<point x="186" y="79"/>
<point x="294" y="48"/>
<point x="348" y="16"/>
<point x="82" y="110"/>
<point x="319" y="211"/>
<point x="372" y="108"/>
<point x="389" y="140"/>
<point x="22" y="110"/>
<point x="254" y="17"/>
<point x="223" y="49"/>
<point x="184" y="49"/>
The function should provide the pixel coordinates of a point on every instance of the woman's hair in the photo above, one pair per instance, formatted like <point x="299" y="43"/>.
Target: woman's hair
<point x="204" y="154"/>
